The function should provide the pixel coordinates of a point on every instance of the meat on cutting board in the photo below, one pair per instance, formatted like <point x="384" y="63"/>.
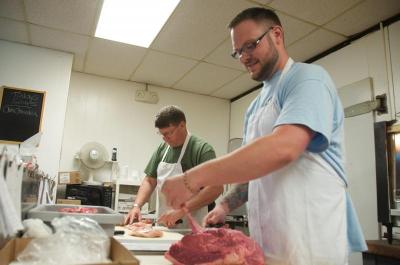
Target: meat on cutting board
<point x="143" y="229"/>
<point x="214" y="246"/>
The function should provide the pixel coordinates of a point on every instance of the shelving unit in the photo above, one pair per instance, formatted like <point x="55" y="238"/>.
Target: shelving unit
<point x="125" y="195"/>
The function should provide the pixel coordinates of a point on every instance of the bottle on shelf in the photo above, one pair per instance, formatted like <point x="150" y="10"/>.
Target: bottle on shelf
<point x="114" y="154"/>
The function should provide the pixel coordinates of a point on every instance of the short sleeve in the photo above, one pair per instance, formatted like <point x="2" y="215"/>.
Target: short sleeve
<point x="151" y="168"/>
<point x="309" y="103"/>
<point x="207" y="153"/>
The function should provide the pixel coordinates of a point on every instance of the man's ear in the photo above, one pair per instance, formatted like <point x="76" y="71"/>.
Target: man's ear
<point x="278" y="33"/>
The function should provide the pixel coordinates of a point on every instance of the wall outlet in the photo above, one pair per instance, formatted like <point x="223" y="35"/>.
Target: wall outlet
<point x="146" y="96"/>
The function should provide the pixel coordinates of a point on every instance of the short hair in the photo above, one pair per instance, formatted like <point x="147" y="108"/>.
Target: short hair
<point x="258" y="14"/>
<point x="169" y="115"/>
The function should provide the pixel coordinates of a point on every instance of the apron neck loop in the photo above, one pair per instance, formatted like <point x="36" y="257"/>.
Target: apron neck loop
<point x="182" y="150"/>
<point x="288" y="64"/>
<point x="184" y="146"/>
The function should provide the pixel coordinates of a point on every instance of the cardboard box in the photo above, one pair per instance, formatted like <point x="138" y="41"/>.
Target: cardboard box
<point x="118" y="254"/>
<point x="68" y="201"/>
<point x="69" y="177"/>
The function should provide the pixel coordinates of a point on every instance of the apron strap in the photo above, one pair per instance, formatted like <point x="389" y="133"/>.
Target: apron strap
<point x="182" y="150"/>
<point x="165" y="154"/>
<point x="285" y="70"/>
<point x="288" y="64"/>
<point x="184" y="147"/>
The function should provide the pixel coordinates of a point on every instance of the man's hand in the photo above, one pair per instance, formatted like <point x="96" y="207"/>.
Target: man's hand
<point x="170" y="217"/>
<point x="133" y="215"/>
<point x="217" y="215"/>
<point x="176" y="192"/>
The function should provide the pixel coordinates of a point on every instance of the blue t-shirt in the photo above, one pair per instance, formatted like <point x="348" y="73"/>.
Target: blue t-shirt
<point x="307" y="96"/>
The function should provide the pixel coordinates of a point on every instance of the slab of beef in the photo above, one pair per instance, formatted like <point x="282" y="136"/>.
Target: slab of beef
<point x="215" y="246"/>
<point x="78" y="210"/>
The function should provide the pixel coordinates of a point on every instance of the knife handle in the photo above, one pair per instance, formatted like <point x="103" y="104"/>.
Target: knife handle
<point x="217" y="225"/>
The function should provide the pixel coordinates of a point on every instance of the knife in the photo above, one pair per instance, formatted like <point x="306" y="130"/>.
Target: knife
<point x="217" y="225"/>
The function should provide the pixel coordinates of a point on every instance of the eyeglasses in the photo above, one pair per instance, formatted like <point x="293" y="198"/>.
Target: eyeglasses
<point x="249" y="47"/>
<point x="168" y="133"/>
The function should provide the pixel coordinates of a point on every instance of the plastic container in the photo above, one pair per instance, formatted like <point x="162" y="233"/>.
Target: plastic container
<point x="106" y="217"/>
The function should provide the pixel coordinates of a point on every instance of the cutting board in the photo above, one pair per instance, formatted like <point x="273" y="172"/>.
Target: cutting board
<point x="148" y="244"/>
<point x="153" y="259"/>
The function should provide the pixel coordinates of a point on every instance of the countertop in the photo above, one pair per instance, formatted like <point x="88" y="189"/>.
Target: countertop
<point x="153" y="259"/>
<point x="383" y="248"/>
<point x="149" y="251"/>
<point x="140" y="244"/>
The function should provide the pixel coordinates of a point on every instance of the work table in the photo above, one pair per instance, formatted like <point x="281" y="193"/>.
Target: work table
<point x="150" y="251"/>
<point x="152" y="259"/>
<point x="380" y="252"/>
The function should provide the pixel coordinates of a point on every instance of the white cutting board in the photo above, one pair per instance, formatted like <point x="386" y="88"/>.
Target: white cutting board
<point x="148" y="244"/>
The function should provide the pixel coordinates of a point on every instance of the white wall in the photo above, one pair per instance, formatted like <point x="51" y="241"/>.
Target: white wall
<point x="40" y="69"/>
<point x="364" y="58"/>
<point x="104" y="110"/>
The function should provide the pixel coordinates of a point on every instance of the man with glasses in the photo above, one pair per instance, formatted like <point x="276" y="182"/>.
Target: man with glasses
<point x="292" y="155"/>
<point x="179" y="152"/>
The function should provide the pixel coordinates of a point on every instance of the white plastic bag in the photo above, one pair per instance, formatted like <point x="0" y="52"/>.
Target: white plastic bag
<point x="76" y="241"/>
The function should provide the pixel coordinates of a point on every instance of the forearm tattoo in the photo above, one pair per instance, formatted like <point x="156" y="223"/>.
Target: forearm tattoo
<point x="236" y="196"/>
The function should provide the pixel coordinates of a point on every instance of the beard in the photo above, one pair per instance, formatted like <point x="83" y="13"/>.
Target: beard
<point x="268" y="64"/>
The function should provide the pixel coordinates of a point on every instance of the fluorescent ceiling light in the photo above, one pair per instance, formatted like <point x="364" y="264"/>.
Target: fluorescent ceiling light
<point x="134" y="22"/>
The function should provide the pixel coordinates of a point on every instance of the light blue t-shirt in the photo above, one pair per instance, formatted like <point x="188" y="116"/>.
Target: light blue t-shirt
<point x="307" y="96"/>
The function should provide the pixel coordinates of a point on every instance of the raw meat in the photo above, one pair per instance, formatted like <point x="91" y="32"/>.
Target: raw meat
<point x="143" y="229"/>
<point x="214" y="246"/>
<point x="153" y="233"/>
<point x="78" y="210"/>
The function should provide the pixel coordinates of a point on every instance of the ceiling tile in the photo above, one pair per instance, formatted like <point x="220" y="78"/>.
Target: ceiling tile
<point x="205" y="78"/>
<point x="222" y="56"/>
<point x="315" y="11"/>
<point x="294" y="29"/>
<point x="63" y="41"/>
<point x="196" y="28"/>
<point x="359" y="18"/>
<point x="238" y="86"/>
<point x="13" y="30"/>
<point x="113" y="59"/>
<point x="315" y="43"/>
<point x="162" y="69"/>
<point x="12" y="9"/>
<point x="71" y="15"/>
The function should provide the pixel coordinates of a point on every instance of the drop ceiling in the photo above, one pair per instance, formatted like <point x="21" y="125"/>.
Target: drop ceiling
<point x="191" y="52"/>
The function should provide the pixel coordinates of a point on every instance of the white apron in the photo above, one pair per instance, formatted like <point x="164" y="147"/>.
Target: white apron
<point x="298" y="213"/>
<point x="165" y="170"/>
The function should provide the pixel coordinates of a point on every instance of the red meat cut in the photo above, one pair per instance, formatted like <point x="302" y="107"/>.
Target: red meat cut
<point x="214" y="246"/>
<point x="78" y="210"/>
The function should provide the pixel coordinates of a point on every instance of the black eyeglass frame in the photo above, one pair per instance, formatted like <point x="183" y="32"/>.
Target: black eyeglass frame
<point x="250" y="46"/>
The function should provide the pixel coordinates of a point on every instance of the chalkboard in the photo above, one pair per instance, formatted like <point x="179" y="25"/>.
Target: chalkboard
<point x="21" y="113"/>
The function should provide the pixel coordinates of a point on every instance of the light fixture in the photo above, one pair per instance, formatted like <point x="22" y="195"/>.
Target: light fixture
<point x="134" y="22"/>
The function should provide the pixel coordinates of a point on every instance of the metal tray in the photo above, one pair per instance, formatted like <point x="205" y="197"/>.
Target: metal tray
<point x="106" y="217"/>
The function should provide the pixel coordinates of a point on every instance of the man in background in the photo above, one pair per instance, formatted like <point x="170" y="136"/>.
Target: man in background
<point x="179" y="152"/>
